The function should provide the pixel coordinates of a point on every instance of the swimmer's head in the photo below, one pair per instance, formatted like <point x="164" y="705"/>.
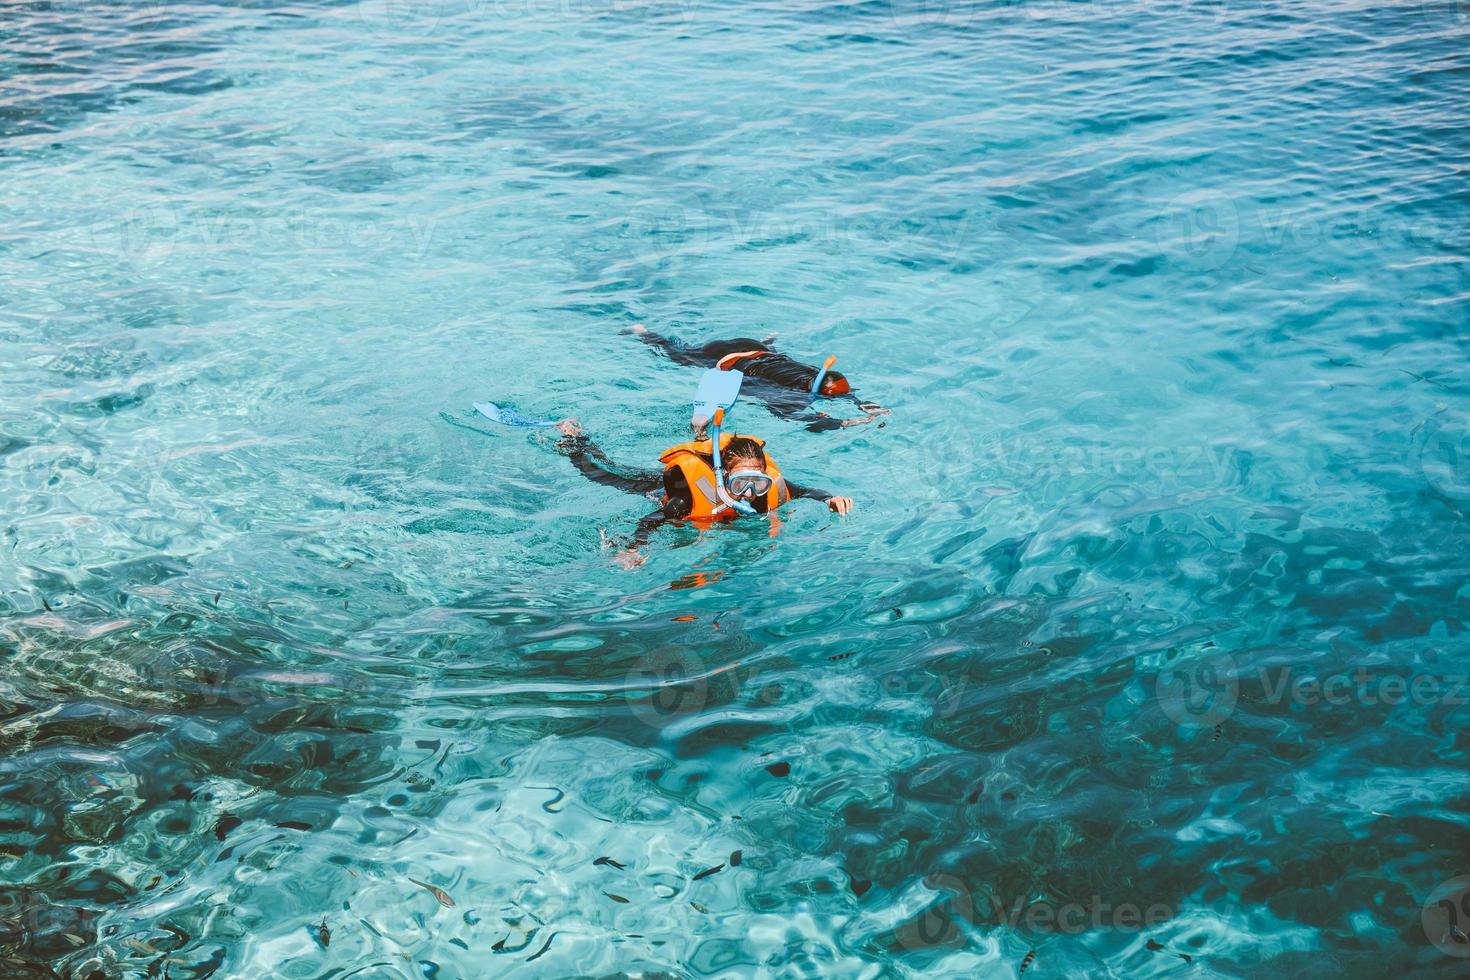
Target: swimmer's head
<point x="743" y="453"/>
<point x="835" y="384"/>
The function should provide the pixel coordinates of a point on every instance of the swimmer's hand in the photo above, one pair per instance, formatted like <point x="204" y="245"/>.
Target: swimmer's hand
<point x="839" y="505"/>
<point x="630" y="558"/>
<point x="625" y="552"/>
<point x="873" y="409"/>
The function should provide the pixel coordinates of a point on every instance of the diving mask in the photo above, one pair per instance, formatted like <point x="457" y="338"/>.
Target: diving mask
<point x="748" y="483"/>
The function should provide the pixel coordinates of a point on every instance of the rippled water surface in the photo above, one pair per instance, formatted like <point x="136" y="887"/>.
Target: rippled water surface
<point x="309" y="673"/>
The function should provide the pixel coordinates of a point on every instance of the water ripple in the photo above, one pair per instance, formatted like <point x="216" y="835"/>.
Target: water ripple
<point x="1142" y="651"/>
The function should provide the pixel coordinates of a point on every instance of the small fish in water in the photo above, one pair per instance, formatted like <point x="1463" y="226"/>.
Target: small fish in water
<point x="1026" y="962"/>
<point x="293" y="825"/>
<point x="779" y="769"/>
<point x="543" y="949"/>
<point x="1158" y="947"/>
<point x="708" y="871"/>
<point x="205" y="969"/>
<point x="735" y="858"/>
<point x="616" y="898"/>
<point x="608" y="861"/>
<point x="460" y="943"/>
<point x="437" y="892"/>
<point x="549" y="804"/>
<point x="699" y="908"/>
<point x="842" y="656"/>
<point x="1218" y="729"/>
<point x="684" y="619"/>
<point x="323" y="934"/>
<point x="226" y="823"/>
<point x="216" y="597"/>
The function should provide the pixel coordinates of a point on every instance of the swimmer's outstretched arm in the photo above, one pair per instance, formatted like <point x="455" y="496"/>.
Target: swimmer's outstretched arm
<point x="677" y="507"/>
<point x="628" y="554"/>
<point x="800" y="408"/>
<point x="595" y="465"/>
<point x="836" y="504"/>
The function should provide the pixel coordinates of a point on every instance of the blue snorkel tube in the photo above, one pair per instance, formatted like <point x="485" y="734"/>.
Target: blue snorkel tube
<point x="822" y="374"/>
<point x="742" y="506"/>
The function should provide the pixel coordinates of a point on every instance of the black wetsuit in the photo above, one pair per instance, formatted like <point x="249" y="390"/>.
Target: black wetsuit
<point x="782" y="383"/>
<point x="594" y="464"/>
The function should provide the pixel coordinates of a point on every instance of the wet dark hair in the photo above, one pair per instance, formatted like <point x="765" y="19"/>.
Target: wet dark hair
<point x="741" y="446"/>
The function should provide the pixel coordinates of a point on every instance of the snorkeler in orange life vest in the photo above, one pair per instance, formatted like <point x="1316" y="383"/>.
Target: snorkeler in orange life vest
<point x="694" y="486"/>
<point x="788" y="387"/>
<point x="718" y="476"/>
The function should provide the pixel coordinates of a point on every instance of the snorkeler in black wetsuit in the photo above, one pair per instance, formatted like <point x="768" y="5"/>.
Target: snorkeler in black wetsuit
<point x="784" y="384"/>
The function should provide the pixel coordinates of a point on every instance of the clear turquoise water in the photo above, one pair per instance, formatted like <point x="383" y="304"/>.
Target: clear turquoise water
<point x="1169" y="301"/>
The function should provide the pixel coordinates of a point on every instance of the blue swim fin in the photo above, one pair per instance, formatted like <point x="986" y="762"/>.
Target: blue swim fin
<point x="509" y="416"/>
<point x="717" y="389"/>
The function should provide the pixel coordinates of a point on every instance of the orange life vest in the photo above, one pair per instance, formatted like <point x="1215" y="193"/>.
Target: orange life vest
<point x="693" y="459"/>
<point x="731" y="360"/>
